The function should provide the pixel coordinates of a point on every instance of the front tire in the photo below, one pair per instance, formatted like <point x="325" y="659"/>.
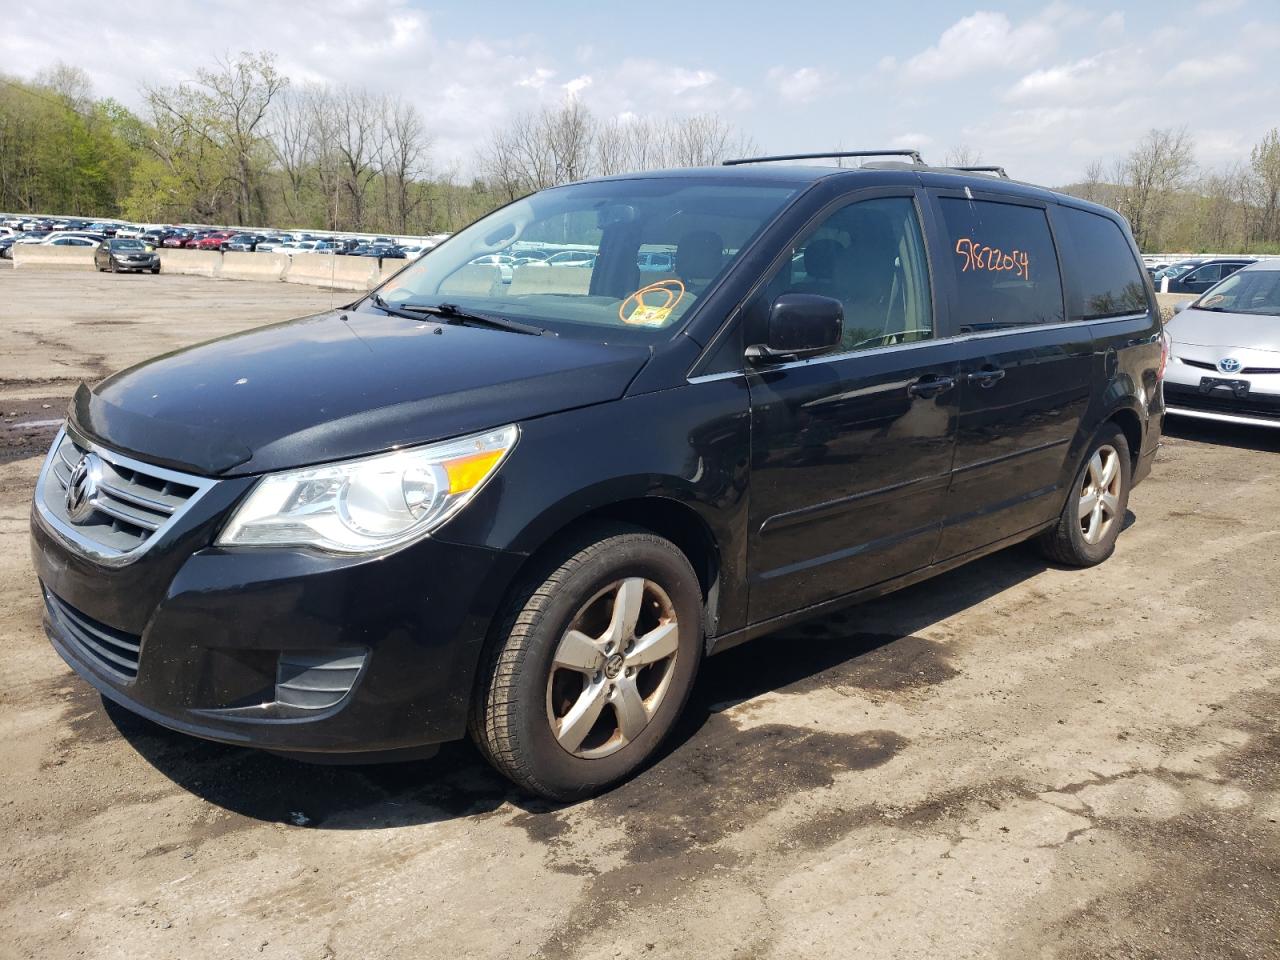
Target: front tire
<point x="1091" y="520"/>
<point x="591" y="665"/>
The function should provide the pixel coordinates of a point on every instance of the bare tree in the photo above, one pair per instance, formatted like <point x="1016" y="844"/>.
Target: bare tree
<point x="291" y="138"/>
<point x="704" y="140"/>
<point x="402" y="156"/>
<point x="69" y="82"/>
<point x="358" y="113"/>
<point x="1149" y="176"/>
<point x="963" y="155"/>
<point x="1264" y="159"/>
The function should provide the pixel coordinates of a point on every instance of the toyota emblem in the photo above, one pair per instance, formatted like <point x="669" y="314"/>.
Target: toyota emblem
<point x="83" y="487"/>
<point x="1229" y="365"/>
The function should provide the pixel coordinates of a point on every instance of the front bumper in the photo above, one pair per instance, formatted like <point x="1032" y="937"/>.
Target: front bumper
<point x="216" y="631"/>
<point x="1185" y="397"/>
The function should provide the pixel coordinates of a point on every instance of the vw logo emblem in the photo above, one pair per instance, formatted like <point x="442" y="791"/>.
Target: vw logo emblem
<point x="1229" y="365"/>
<point x="83" y="487"/>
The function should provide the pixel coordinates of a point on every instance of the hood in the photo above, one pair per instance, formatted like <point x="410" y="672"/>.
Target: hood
<point x="1206" y="328"/>
<point x="338" y="385"/>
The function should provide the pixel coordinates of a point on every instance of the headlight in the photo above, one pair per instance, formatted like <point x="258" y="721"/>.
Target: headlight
<point x="360" y="506"/>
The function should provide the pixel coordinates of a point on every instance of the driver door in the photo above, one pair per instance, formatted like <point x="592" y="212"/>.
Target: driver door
<point x="851" y="451"/>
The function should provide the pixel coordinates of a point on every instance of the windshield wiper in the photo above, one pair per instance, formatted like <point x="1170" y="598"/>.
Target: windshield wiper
<point x="385" y="307"/>
<point x="452" y="313"/>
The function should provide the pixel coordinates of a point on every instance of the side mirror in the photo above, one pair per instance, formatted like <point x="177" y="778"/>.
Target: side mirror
<point x="1181" y="305"/>
<point x="800" y="325"/>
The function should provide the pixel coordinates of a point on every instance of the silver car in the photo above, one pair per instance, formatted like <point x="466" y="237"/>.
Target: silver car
<point x="1224" y="360"/>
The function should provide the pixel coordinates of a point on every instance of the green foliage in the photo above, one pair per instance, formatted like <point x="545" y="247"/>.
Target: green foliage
<point x="60" y="153"/>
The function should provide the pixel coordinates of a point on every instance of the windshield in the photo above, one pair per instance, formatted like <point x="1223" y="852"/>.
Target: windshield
<point x="1247" y="291"/>
<point x="1175" y="271"/>
<point x="617" y="259"/>
<point x="127" y="245"/>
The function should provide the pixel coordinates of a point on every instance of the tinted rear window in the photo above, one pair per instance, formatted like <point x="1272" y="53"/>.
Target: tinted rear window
<point x="1106" y="278"/>
<point x="1005" y="265"/>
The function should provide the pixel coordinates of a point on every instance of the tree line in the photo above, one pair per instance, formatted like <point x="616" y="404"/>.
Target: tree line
<point x="1172" y="204"/>
<point x="240" y="145"/>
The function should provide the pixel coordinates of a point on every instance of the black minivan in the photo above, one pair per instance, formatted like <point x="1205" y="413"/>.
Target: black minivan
<point x="527" y="505"/>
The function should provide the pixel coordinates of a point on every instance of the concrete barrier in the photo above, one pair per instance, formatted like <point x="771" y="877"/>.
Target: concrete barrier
<point x="329" y="270"/>
<point x="41" y="257"/>
<point x="253" y="266"/>
<point x="390" y="268"/>
<point x="1167" y="301"/>
<point x="196" y="263"/>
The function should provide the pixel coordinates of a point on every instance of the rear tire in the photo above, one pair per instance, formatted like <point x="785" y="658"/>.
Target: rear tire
<point x="1091" y="519"/>
<point x="591" y="664"/>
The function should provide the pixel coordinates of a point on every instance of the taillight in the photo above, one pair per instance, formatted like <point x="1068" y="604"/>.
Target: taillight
<point x="1164" y="354"/>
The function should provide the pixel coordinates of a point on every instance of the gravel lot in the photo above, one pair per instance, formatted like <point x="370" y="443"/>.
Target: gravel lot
<point x="1011" y="761"/>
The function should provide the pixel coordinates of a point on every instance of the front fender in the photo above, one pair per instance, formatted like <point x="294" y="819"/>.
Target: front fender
<point x="690" y="445"/>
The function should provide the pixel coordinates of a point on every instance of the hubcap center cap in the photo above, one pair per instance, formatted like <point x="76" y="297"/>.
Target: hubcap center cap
<point x="613" y="666"/>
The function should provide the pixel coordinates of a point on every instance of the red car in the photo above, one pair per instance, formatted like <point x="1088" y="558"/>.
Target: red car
<point x="215" y="240"/>
<point x="174" y="240"/>
<point x="191" y="241"/>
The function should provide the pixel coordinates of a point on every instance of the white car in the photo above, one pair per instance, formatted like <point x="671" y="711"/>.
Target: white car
<point x="296" y="246"/>
<point x="506" y="265"/>
<point x="1224" y="354"/>
<point x="56" y="238"/>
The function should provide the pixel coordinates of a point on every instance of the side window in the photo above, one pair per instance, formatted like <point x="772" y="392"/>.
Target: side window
<point x="1106" y="281"/>
<point x="870" y="256"/>
<point x="1005" y="265"/>
<point x="1207" y="274"/>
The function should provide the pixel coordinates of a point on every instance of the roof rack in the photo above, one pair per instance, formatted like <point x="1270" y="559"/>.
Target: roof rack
<point x="913" y="154"/>
<point x="998" y="171"/>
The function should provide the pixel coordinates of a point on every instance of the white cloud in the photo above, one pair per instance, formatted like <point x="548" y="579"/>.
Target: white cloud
<point x="1196" y="70"/>
<point x="1104" y="76"/>
<point x="1111" y="24"/>
<point x="983" y="41"/>
<point x="536" y="80"/>
<point x="799" y="86"/>
<point x="577" y="85"/>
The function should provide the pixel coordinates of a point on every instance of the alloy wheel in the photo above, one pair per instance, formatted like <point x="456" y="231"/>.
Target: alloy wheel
<point x="1099" y="505"/>
<point x="612" y="668"/>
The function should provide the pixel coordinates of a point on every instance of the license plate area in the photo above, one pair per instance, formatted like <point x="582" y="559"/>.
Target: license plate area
<point x="1238" y="388"/>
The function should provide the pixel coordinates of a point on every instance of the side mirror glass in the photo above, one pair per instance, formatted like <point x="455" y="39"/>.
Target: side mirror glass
<point x="800" y="325"/>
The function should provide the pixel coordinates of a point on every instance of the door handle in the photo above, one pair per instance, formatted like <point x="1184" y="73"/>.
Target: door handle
<point x="986" y="377"/>
<point x="931" y="385"/>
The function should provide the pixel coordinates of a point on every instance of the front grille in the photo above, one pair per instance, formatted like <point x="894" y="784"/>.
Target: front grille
<point x="130" y="502"/>
<point x="1204" y="365"/>
<point x="112" y="649"/>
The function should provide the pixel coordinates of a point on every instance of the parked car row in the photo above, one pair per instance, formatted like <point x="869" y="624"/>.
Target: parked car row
<point x="24" y="229"/>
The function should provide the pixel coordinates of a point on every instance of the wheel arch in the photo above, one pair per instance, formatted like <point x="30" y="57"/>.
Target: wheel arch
<point x="662" y="516"/>
<point x="1131" y="425"/>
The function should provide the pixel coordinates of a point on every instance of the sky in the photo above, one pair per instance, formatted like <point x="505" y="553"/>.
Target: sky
<point x="1041" y="88"/>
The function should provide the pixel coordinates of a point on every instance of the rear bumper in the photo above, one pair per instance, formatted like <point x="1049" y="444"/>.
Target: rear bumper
<point x="232" y="626"/>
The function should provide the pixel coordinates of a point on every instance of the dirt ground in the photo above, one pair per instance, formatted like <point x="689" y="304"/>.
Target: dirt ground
<point x="1011" y="761"/>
